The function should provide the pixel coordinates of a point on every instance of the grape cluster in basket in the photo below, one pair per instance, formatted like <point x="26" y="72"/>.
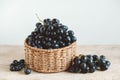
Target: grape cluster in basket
<point x="51" y="34"/>
<point x="89" y="64"/>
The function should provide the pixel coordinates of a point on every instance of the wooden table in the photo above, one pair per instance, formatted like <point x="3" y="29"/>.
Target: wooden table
<point x="112" y="52"/>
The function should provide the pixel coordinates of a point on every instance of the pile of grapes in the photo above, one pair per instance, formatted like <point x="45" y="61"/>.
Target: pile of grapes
<point x="51" y="34"/>
<point x="19" y="65"/>
<point x="89" y="64"/>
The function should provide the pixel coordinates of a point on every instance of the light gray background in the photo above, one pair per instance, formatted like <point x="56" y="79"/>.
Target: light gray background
<point x="93" y="21"/>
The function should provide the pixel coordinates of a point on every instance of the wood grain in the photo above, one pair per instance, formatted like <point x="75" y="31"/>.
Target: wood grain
<point x="112" y="52"/>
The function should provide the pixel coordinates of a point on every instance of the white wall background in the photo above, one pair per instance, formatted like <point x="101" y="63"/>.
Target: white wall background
<point x="94" y="21"/>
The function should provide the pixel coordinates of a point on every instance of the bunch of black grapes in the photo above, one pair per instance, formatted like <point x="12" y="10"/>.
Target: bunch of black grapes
<point x="51" y="34"/>
<point x="89" y="64"/>
<point x="19" y="65"/>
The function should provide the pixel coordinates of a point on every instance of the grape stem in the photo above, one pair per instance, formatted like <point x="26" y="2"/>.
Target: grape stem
<point x="39" y="18"/>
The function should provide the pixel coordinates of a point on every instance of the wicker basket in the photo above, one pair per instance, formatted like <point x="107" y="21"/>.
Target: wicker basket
<point x="53" y="60"/>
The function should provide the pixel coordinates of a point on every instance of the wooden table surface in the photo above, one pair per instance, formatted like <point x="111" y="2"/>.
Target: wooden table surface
<point x="112" y="52"/>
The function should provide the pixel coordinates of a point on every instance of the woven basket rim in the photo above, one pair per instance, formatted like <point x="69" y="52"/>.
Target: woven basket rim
<point x="39" y="49"/>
